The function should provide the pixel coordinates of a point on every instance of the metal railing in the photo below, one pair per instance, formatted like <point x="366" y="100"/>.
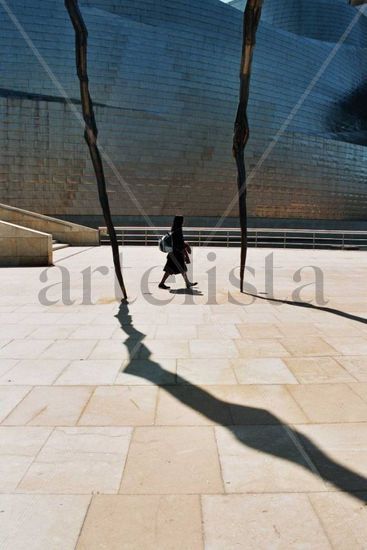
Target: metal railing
<point x="257" y="237"/>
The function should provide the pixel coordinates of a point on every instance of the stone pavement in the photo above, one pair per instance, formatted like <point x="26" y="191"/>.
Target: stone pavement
<point x="214" y="420"/>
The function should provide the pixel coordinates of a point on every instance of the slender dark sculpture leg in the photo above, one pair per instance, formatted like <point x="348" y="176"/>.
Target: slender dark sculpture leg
<point x="91" y="131"/>
<point x="251" y="21"/>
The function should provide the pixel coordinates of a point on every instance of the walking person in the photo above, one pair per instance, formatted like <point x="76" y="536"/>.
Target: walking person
<point x="177" y="259"/>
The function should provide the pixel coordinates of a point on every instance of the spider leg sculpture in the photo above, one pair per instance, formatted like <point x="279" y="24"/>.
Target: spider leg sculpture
<point x="91" y="131"/>
<point x="251" y="21"/>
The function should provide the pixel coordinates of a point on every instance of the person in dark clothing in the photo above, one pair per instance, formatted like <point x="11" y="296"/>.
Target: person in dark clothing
<point x="176" y="260"/>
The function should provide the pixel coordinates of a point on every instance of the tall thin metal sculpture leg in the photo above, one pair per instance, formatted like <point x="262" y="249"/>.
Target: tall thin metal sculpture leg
<point x="91" y="131"/>
<point x="251" y="21"/>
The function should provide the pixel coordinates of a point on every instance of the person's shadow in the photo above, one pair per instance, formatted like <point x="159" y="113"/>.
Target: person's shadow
<point x="187" y="291"/>
<point x="240" y="420"/>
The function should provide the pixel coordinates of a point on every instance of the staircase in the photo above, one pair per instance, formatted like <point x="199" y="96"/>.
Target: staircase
<point x="61" y="230"/>
<point x="30" y="239"/>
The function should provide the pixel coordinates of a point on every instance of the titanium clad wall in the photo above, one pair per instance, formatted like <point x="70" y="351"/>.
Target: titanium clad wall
<point x="164" y="78"/>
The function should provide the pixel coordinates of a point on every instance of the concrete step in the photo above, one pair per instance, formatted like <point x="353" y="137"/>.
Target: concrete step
<point x="58" y="246"/>
<point x="61" y="230"/>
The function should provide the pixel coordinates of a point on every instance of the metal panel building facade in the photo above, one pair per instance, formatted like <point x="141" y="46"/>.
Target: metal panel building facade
<point x="164" y="78"/>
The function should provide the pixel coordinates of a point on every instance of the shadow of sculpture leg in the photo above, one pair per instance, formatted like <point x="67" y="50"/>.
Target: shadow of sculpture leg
<point x="247" y="424"/>
<point x="307" y="305"/>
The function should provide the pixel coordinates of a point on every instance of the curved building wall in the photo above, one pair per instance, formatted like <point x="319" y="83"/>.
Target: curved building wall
<point x="164" y="78"/>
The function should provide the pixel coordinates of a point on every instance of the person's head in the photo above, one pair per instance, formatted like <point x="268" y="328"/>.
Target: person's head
<point x="177" y="222"/>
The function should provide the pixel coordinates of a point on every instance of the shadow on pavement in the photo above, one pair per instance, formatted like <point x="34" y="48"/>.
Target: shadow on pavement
<point x="189" y="291"/>
<point x="250" y="425"/>
<point x="307" y="305"/>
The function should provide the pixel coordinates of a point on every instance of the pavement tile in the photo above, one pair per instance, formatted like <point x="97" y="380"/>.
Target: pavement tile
<point x="79" y="461"/>
<point x="263" y="371"/>
<point x="190" y="406"/>
<point x="43" y="319"/>
<point x="289" y="314"/>
<point x="333" y="330"/>
<point x="260" y="404"/>
<point x="13" y="318"/>
<point x="24" y="349"/>
<point x="348" y="345"/>
<point x="205" y="371"/>
<point x="318" y="370"/>
<point x="211" y="331"/>
<point x="216" y="348"/>
<point x="264" y="522"/>
<point x="90" y="372"/>
<point x="91" y="332"/>
<point x="187" y="456"/>
<point x="137" y="372"/>
<point x="356" y="366"/>
<point x="56" y="332"/>
<point x="298" y="329"/>
<point x="227" y="307"/>
<point x="168" y="349"/>
<point x="16" y="331"/>
<point x="18" y="447"/>
<point x="147" y="331"/>
<point x="343" y="517"/>
<point x="9" y="399"/>
<point x="195" y="316"/>
<point x="24" y="441"/>
<point x="7" y="309"/>
<point x="69" y="349"/>
<point x="41" y="522"/>
<point x="339" y="452"/>
<point x="49" y="406"/>
<point x="261" y="347"/>
<point x="230" y="318"/>
<point x="329" y="403"/>
<point x="108" y="349"/>
<point x="156" y="317"/>
<point x="360" y="388"/>
<point x="164" y="522"/>
<point x="259" y="330"/>
<point x="305" y="346"/>
<point x="84" y="317"/>
<point x="263" y="460"/>
<point x="34" y="372"/>
<point x="166" y="332"/>
<point x="258" y="318"/>
<point x="6" y="365"/>
<point x="120" y="406"/>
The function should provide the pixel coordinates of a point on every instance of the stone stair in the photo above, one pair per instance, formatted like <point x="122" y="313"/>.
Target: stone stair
<point x="30" y="239"/>
<point x="61" y="230"/>
<point x="56" y="245"/>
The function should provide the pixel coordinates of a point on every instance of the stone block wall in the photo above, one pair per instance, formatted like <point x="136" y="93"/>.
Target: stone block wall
<point x="24" y="247"/>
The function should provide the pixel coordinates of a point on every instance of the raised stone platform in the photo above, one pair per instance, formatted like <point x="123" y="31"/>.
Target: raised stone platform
<point x="210" y="419"/>
<point x="64" y="231"/>
<point x="20" y="246"/>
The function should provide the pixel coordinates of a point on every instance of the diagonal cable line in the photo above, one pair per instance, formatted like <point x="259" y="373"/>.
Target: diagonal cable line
<point x="291" y="115"/>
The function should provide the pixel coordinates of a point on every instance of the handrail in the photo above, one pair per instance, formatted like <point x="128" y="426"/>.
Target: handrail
<point x="257" y="237"/>
<point x="159" y="229"/>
